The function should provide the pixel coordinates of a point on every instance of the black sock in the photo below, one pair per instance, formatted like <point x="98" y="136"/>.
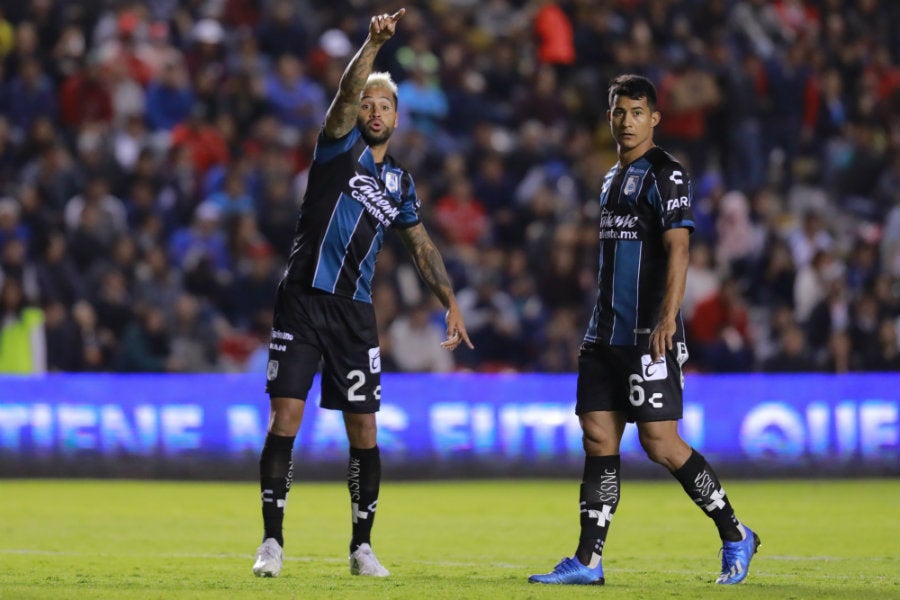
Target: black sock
<point x="700" y="482"/>
<point x="599" y="497"/>
<point x="276" y="472"/>
<point x="363" y="481"/>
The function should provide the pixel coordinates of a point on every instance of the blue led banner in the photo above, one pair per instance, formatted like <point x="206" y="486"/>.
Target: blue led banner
<point x="459" y="424"/>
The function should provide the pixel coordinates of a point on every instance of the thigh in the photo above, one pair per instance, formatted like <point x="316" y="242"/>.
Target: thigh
<point x="600" y="385"/>
<point x="294" y="346"/>
<point x="351" y="369"/>
<point x="654" y="389"/>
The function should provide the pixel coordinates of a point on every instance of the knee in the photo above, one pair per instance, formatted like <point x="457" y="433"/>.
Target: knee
<point x="285" y="418"/>
<point x="362" y="433"/>
<point x="655" y="451"/>
<point x="670" y="453"/>
<point x="595" y="443"/>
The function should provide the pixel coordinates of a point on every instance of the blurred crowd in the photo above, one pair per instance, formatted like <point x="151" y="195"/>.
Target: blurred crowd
<point x="153" y="156"/>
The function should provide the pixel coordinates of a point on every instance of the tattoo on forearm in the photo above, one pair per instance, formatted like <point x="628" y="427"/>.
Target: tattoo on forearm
<point x="345" y="108"/>
<point x="429" y="263"/>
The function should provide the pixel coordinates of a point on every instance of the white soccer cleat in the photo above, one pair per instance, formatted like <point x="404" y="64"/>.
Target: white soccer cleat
<point x="268" y="559"/>
<point x="363" y="562"/>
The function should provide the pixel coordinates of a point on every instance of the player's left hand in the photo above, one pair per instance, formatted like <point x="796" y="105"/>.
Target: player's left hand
<point x="661" y="339"/>
<point x="456" y="330"/>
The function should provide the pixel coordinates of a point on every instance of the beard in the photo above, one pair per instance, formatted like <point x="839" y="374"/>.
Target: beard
<point x="372" y="138"/>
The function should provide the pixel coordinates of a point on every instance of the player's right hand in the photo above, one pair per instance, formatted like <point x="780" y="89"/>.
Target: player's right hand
<point x="383" y="26"/>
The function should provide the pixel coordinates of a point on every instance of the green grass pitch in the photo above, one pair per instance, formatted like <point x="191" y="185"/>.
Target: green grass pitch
<point x="99" y="540"/>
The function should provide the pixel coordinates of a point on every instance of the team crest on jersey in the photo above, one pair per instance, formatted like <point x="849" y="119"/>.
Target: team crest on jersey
<point x="392" y="182"/>
<point x="630" y="185"/>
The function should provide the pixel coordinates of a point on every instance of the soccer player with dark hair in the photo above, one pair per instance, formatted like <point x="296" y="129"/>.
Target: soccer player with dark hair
<point x="629" y="365"/>
<point x="323" y="309"/>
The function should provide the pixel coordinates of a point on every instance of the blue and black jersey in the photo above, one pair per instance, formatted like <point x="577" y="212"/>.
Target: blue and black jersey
<point x="349" y="203"/>
<point x="638" y="203"/>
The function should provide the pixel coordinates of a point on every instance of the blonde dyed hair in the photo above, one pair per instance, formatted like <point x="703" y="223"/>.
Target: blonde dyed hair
<point x="383" y="81"/>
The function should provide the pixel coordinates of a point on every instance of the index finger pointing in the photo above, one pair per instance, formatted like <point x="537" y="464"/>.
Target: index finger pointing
<point x="396" y="16"/>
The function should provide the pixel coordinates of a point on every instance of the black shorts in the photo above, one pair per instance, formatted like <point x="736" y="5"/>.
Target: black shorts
<point x="312" y="328"/>
<point x="622" y="378"/>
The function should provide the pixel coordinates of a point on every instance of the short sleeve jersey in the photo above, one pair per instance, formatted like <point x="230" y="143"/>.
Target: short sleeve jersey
<point x="638" y="203"/>
<point x="349" y="203"/>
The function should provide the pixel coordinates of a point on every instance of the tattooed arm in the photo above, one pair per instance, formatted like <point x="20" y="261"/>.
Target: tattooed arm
<point x="433" y="272"/>
<point x="341" y="116"/>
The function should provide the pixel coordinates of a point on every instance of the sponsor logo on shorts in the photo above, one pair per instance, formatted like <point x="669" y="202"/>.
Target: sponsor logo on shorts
<point x="272" y="370"/>
<point x="653" y="371"/>
<point x="374" y="360"/>
<point x="277" y="347"/>
<point x="282" y="335"/>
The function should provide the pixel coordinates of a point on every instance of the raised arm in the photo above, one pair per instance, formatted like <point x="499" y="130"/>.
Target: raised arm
<point x="342" y="113"/>
<point x="431" y="269"/>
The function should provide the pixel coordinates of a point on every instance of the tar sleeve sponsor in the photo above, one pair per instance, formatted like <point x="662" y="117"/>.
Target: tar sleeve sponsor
<point x="676" y="196"/>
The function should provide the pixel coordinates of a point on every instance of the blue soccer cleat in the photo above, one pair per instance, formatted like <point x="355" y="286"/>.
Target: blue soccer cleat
<point x="571" y="572"/>
<point x="736" y="558"/>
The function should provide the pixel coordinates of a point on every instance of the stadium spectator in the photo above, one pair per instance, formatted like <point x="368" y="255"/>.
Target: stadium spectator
<point x="29" y="95"/>
<point x="886" y="358"/>
<point x="839" y="356"/>
<point x="23" y="348"/>
<point x="252" y="289"/>
<point x="193" y="340"/>
<point x="492" y="322"/>
<point x="170" y="97"/>
<point x="204" y="144"/>
<point x="422" y="100"/>
<point x="416" y="339"/>
<point x="555" y="34"/>
<point x="720" y="334"/>
<point x="233" y="200"/>
<point x="830" y="315"/>
<point x="297" y="100"/>
<point x="84" y="98"/>
<point x="460" y="216"/>
<point x="792" y="355"/>
<point x="811" y="283"/>
<point x="109" y="210"/>
<point x="63" y="340"/>
<point x="146" y="346"/>
<point x="282" y="31"/>
<point x="702" y="279"/>
<point x="59" y="280"/>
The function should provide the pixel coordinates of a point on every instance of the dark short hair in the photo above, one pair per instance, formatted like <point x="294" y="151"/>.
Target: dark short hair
<point x="634" y="87"/>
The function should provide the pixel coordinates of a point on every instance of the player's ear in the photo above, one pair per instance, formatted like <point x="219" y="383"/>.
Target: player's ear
<point x="655" y="118"/>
